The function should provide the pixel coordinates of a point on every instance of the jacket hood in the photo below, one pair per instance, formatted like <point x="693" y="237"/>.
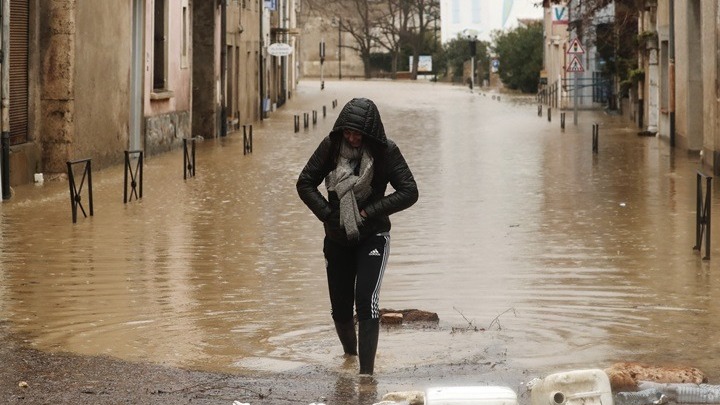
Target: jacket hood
<point x="362" y="115"/>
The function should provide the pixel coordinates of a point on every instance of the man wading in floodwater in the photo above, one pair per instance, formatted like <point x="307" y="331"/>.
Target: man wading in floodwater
<point x="357" y="161"/>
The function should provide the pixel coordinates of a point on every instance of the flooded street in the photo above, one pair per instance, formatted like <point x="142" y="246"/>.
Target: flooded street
<point x="568" y="259"/>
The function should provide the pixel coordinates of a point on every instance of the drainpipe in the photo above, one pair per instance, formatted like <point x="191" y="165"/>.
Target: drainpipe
<point x="223" y="68"/>
<point x="671" y="72"/>
<point x="339" y="48"/>
<point x="4" y="99"/>
<point x="286" y="59"/>
<point x="261" y="65"/>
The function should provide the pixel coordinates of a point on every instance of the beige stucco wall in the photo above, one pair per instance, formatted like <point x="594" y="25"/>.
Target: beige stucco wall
<point x="55" y="117"/>
<point x="696" y="68"/>
<point x="206" y="73"/>
<point x="688" y="83"/>
<point x="81" y="108"/>
<point x="243" y="30"/>
<point x="713" y="129"/>
<point x="314" y="30"/>
<point x="709" y="75"/>
<point x="84" y="55"/>
<point x="101" y="81"/>
<point x="555" y="41"/>
<point x="681" y="77"/>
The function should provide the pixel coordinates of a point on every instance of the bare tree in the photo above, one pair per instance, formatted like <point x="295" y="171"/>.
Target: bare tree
<point x="425" y="13"/>
<point x="361" y="23"/>
<point x="358" y="18"/>
<point x="389" y="24"/>
<point x="393" y="25"/>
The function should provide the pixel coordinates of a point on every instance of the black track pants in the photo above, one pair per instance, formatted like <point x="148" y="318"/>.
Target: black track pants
<point x="354" y="276"/>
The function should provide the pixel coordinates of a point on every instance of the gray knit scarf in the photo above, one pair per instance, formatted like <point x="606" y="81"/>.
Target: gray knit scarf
<point x="351" y="189"/>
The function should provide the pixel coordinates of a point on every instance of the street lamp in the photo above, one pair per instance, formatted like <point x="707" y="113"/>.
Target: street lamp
<point x="471" y="35"/>
<point x="339" y="25"/>
<point x="322" y="61"/>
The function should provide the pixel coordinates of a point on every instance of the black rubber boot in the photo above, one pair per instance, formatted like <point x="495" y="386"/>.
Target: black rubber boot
<point x="346" y="333"/>
<point x="368" y="332"/>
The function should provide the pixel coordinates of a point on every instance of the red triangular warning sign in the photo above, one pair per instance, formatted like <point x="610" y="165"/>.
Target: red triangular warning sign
<point x="575" y="65"/>
<point x="575" y="47"/>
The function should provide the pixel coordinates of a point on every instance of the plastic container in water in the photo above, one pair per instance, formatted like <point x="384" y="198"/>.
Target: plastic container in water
<point x="579" y="387"/>
<point x="698" y="394"/>
<point x="470" y="395"/>
<point x="684" y="393"/>
<point x="651" y="396"/>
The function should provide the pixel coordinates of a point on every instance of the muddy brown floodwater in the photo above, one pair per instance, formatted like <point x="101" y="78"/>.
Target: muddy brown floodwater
<point x="538" y="256"/>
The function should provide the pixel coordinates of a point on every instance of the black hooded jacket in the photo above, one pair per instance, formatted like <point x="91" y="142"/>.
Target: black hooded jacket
<point x="360" y="114"/>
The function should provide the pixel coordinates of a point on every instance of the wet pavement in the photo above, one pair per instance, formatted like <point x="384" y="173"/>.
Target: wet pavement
<point x="538" y="255"/>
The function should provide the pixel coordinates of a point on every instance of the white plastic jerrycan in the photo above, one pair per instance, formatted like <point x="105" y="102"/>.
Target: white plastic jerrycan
<point x="470" y="395"/>
<point x="579" y="387"/>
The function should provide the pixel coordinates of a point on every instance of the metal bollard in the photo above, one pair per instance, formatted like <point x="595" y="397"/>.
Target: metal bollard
<point x="306" y="120"/>
<point x="540" y="110"/>
<point x="297" y="123"/>
<point x="562" y="120"/>
<point x="136" y="176"/>
<point x="595" y="136"/>
<point x="549" y="114"/>
<point x="314" y="117"/>
<point x="702" y="214"/>
<point x="75" y="192"/>
<point x="324" y="111"/>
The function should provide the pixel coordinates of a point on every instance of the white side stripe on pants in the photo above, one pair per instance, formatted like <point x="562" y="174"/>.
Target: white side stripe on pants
<point x="375" y="306"/>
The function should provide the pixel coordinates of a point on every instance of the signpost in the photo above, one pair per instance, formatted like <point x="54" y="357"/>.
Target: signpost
<point x="560" y="15"/>
<point x="575" y="66"/>
<point x="280" y="49"/>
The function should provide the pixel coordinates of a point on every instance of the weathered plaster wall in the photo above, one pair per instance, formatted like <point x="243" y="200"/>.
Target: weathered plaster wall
<point x="205" y="72"/>
<point x="693" y="64"/>
<point x="57" y="79"/>
<point x="314" y="30"/>
<point x="709" y="75"/>
<point x="688" y="81"/>
<point x="243" y="28"/>
<point x="663" y="29"/>
<point x="101" y="78"/>
<point x="164" y="132"/>
<point x="555" y="42"/>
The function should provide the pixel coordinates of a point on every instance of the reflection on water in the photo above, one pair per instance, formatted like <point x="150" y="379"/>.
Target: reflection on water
<point x="570" y="259"/>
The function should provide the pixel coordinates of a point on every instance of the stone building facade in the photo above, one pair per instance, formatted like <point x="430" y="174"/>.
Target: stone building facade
<point x="681" y="65"/>
<point x="677" y="95"/>
<point x="93" y="79"/>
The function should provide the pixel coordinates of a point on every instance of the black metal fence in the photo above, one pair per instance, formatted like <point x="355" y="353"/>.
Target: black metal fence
<point x="590" y="90"/>
<point x="134" y="175"/>
<point x="702" y="216"/>
<point x="247" y="139"/>
<point x="76" y="191"/>
<point x="188" y="158"/>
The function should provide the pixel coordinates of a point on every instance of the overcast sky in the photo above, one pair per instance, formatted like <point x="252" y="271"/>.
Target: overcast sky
<point x="484" y="16"/>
